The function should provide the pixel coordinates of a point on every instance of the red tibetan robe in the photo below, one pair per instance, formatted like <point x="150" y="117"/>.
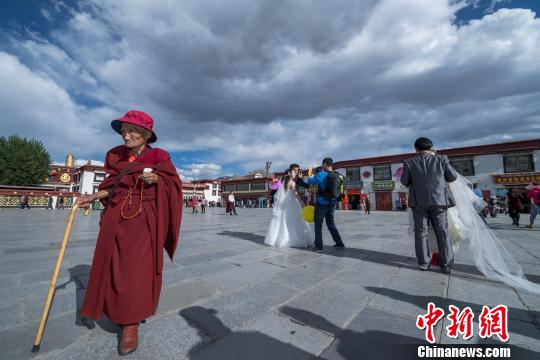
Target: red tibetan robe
<point x="125" y="280"/>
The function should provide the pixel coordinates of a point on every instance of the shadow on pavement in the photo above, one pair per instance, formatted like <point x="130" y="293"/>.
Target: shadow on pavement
<point x="422" y="301"/>
<point x="79" y="274"/>
<point x="220" y="342"/>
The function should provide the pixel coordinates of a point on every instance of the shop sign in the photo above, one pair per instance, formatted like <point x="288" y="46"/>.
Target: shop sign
<point x="516" y="179"/>
<point x="383" y="185"/>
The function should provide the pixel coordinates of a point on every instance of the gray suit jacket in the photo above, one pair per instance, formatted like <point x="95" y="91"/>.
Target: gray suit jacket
<point x="427" y="177"/>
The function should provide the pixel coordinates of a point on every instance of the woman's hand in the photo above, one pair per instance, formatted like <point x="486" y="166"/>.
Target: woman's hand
<point x="149" y="177"/>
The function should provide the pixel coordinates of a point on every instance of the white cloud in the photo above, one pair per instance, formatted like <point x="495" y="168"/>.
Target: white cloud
<point x="35" y="106"/>
<point x="200" y="171"/>
<point x="252" y="81"/>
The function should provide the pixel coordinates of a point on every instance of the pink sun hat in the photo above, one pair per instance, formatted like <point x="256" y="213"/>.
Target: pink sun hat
<point x="138" y="118"/>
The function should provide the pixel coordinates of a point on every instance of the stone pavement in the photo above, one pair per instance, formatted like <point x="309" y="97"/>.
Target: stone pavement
<point x="227" y="296"/>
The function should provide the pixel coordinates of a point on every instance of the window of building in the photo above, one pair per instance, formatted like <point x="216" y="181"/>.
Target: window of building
<point x="229" y="187"/>
<point x="242" y="187"/>
<point x="463" y="166"/>
<point x="214" y="192"/>
<point x="353" y="176"/>
<point x="258" y="186"/>
<point x="96" y="189"/>
<point x="518" y="162"/>
<point x="382" y="173"/>
<point x="99" y="177"/>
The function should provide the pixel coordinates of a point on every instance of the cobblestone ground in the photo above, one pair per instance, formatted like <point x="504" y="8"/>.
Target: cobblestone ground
<point x="227" y="296"/>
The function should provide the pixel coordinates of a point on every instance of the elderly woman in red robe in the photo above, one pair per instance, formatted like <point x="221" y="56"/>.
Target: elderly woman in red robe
<point x="143" y="197"/>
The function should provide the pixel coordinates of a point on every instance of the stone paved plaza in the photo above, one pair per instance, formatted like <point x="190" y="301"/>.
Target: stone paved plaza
<point x="227" y="296"/>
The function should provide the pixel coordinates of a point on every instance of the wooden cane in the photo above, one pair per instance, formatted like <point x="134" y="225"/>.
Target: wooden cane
<point x="56" y="271"/>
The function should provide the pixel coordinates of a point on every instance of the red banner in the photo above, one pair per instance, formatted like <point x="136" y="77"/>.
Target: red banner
<point x="516" y="179"/>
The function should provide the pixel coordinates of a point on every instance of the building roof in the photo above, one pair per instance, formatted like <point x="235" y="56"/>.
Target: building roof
<point x="92" y="168"/>
<point x="524" y="145"/>
<point x="246" y="179"/>
<point x="199" y="181"/>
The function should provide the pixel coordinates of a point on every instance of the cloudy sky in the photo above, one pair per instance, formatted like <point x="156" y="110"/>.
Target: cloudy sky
<point x="232" y="84"/>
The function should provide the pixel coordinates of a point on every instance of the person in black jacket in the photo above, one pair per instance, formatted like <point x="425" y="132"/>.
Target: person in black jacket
<point x="427" y="176"/>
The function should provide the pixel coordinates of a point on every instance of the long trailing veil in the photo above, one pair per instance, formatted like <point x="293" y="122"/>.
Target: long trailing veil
<point x="488" y="253"/>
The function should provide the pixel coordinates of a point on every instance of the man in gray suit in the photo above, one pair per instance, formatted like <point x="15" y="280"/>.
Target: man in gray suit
<point x="427" y="176"/>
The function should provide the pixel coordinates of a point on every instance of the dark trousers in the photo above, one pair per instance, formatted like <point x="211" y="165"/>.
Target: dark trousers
<point x="323" y="212"/>
<point x="514" y="214"/>
<point x="203" y="209"/>
<point x="25" y="205"/>
<point x="437" y="217"/>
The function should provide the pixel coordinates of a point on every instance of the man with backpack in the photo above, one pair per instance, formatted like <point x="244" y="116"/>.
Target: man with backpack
<point x="330" y="191"/>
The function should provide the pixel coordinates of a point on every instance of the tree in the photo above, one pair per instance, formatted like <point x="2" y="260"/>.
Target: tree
<point x="23" y="161"/>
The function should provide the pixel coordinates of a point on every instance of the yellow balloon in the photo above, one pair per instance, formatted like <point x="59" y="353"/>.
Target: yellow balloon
<point x="308" y="214"/>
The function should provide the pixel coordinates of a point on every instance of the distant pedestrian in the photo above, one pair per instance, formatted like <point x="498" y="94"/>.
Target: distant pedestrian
<point x="60" y="202"/>
<point x="49" y="203"/>
<point x="194" y="204"/>
<point x="367" y="206"/>
<point x="533" y="195"/>
<point x="204" y="203"/>
<point x="514" y="206"/>
<point x="24" y="199"/>
<point x="231" y="205"/>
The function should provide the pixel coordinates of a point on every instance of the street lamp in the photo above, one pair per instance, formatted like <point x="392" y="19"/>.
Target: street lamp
<point x="268" y="164"/>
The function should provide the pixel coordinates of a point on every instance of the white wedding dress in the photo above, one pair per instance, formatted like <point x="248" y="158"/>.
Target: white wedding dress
<point x="288" y="228"/>
<point x="487" y="251"/>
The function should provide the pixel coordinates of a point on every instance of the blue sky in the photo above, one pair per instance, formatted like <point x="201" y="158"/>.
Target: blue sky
<point x="234" y="84"/>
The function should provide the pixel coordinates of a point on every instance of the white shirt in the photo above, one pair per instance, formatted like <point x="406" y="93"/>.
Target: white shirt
<point x="231" y="198"/>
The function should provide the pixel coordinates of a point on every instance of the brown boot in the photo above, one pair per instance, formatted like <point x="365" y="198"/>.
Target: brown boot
<point x="130" y="339"/>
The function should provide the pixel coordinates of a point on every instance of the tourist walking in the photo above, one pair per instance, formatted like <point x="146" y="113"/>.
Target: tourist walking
<point x="514" y="206"/>
<point x="533" y="195"/>
<point x="24" y="201"/>
<point x="231" y="204"/>
<point x="194" y="204"/>
<point x="367" y="206"/>
<point x="60" y="202"/>
<point x="143" y="197"/>
<point x="328" y="194"/>
<point x="204" y="203"/>
<point x="49" y="203"/>
<point x="427" y="176"/>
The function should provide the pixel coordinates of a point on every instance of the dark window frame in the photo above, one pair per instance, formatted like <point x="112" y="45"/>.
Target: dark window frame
<point x="242" y="187"/>
<point x="100" y="175"/>
<point x="353" y="176"/>
<point x="517" y="168"/>
<point x="229" y="187"/>
<point x="258" y="187"/>
<point x="386" y="175"/>
<point x="457" y="164"/>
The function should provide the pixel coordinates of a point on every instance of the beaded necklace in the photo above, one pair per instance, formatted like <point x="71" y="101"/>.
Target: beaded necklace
<point x="131" y="159"/>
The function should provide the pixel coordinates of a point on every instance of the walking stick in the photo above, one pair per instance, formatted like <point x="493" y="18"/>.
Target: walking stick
<point x="52" y="286"/>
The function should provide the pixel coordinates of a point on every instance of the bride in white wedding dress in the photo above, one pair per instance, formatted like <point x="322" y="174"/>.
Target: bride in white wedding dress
<point x="288" y="228"/>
